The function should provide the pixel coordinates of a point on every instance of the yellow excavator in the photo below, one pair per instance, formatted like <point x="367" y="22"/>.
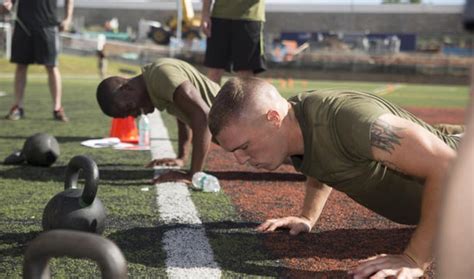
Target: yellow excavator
<point x="190" y="26"/>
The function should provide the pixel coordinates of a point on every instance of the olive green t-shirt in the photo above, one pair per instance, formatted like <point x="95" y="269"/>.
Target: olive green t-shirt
<point x="239" y="9"/>
<point x="165" y="75"/>
<point x="337" y="151"/>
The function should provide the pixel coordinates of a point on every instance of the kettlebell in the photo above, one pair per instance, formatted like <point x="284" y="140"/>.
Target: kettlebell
<point x="40" y="149"/>
<point x="77" y="209"/>
<point x="74" y="244"/>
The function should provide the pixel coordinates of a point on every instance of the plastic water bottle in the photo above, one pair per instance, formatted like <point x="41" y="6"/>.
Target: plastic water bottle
<point x="143" y="130"/>
<point x="205" y="182"/>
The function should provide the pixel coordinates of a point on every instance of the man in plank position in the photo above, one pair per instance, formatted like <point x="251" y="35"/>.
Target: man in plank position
<point x="180" y="89"/>
<point x="380" y="155"/>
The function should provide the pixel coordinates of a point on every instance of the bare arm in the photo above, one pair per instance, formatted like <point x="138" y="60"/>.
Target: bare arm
<point x="184" y="140"/>
<point x="68" y="11"/>
<point x="206" y="17"/>
<point x="410" y="149"/>
<point x="188" y="99"/>
<point x="316" y="196"/>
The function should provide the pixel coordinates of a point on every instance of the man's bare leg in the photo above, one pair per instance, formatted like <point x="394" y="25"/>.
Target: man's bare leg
<point x="20" y="84"/>
<point x="245" y="74"/>
<point x="215" y="74"/>
<point x="55" y="87"/>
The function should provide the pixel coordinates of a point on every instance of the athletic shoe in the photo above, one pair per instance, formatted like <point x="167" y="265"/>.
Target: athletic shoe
<point x="60" y="115"/>
<point x="16" y="113"/>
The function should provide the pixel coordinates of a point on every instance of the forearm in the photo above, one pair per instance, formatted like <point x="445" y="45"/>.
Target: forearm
<point x="184" y="139"/>
<point x="316" y="196"/>
<point x="68" y="9"/>
<point x="201" y="142"/>
<point x="206" y="8"/>
<point x="420" y="247"/>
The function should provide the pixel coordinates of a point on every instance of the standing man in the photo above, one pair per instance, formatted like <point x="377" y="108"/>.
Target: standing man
<point x="234" y="31"/>
<point x="378" y="154"/>
<point x="180" y="89"/>
<point x="35" y="40"/>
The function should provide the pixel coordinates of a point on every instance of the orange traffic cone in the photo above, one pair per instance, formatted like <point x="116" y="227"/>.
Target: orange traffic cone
<point x="125" y="129"/>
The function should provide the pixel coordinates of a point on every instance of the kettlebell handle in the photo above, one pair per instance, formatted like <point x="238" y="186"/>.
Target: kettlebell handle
<point x="91" y="175"/>
<point x="74" y="244"/>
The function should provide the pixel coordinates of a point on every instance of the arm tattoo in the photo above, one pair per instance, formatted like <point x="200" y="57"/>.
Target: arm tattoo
<point x="384" y="136"/>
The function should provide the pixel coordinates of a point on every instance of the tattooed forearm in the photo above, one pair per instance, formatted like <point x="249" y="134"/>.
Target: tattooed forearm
<point x="384" y="136"/>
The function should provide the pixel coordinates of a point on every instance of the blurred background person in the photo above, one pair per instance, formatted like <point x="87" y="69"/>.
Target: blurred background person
<point x="35" y="41"/>
<point x="234" y="33"/>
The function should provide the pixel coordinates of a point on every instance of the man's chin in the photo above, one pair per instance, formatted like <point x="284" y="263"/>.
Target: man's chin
<point x="272" y="167"/>
<point x="265" y="166"/>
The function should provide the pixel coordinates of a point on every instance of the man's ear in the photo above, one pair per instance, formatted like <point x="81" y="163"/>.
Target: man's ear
<point x="274" y="117"/>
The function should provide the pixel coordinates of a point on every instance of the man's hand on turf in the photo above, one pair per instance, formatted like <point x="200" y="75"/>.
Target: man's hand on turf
<point x="169" y="162"/>
<point x="295" y="224"/>
<point x="173" y="176"/>
<point x="382" y="266"/>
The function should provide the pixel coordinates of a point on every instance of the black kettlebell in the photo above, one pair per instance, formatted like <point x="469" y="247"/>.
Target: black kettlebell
<point x="74" y="244"/>
<point x="40" y="149"/>
<point x="77" y="209"/>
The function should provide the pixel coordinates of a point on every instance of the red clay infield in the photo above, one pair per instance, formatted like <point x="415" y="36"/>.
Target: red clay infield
<point x="345" y="233"/>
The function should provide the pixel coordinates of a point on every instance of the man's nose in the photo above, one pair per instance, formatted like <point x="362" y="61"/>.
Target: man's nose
<point x="241" y="157"/>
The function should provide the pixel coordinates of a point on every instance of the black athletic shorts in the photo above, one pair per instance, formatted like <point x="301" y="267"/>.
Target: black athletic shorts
<point x="39" y="45"/>
<point x="235" y="45"/>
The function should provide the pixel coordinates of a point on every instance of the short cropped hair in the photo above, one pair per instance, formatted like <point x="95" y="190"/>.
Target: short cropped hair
<point x="105" y="95"/>
<point x="231" y="101"/>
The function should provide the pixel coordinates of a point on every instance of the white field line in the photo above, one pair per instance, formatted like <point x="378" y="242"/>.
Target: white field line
<point x="387" y="89"/>
<point x="189" y="254"/>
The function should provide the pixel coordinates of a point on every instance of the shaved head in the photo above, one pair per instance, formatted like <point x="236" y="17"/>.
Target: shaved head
<point x="250" y="119"/>
<point x="107" y="93"/>
<point x="243" y="98"/>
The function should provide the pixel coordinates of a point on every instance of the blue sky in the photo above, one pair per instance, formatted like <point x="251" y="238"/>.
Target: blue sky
<point x="435" y="2"/>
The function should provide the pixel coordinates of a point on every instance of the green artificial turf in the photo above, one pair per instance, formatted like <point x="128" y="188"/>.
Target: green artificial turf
<point x="25" y="190"/>
<point x="426" y="96"/>
<point x="133" y="220"/>
<point x="72" y="65"/>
